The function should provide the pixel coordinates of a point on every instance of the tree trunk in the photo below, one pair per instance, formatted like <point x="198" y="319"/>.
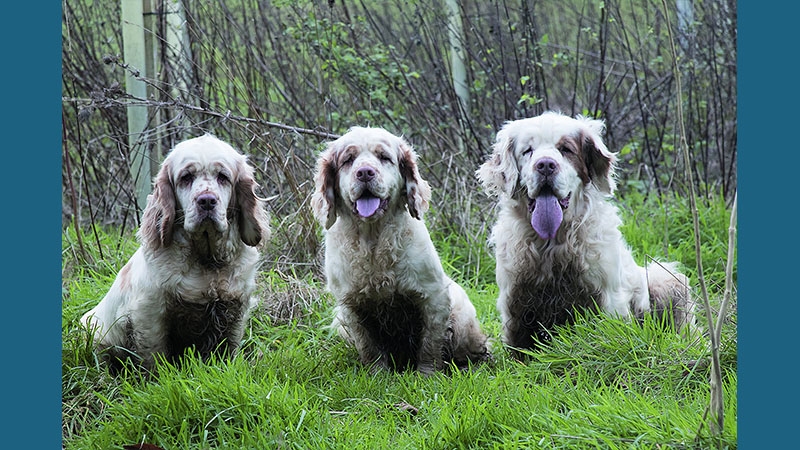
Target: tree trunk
<point x="457" y="55"/>
<point x="138" y="59"/>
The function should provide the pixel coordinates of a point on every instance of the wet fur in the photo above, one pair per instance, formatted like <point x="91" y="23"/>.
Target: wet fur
<point x="393" y="301"/>
<point x="587" y="264"/>
<point x="185" y="289"/>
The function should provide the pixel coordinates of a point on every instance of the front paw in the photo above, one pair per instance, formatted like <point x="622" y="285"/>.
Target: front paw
<point x="426" y="370"/>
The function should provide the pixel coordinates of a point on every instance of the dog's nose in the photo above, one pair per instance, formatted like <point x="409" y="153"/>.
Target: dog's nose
<point x="207" y="202"/>
<point x="546" y="166"/>
<point x="365" y="174"/>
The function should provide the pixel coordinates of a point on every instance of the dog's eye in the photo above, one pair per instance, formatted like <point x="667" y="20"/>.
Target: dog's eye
<point x="222" y="178"/>
<point x="527" y="151"/>
<point x="187" y="178"/>
<point x="385" y="157"/>
<point x="565" y="149"/>
<point x="348" y="160"/>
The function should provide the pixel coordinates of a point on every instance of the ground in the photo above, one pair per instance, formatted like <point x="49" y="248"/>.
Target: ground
<point x="601" y="383"/>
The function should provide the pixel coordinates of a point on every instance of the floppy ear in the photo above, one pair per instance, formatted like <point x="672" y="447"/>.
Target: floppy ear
<point x="252" y="218"/>
<point x="600" y="162"/>
<point x="159" y="215"/>
<point x="322" y="201"/>
<point x="418" y="191"/>
<point x="499" y="173"/>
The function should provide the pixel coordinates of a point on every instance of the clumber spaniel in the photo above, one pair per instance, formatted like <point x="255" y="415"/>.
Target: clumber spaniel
<point x="557" y="241"/>
<point x="393" y="300"/>
<point x="191" y="282"/>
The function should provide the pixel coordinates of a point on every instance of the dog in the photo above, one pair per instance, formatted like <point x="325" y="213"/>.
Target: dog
<point x="191" y="282"/>
<point x="556" y="239"/>
<point x="394" y="302"/>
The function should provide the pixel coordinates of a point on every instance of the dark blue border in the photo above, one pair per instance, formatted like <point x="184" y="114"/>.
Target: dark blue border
<point x="30" y="226"/>
<point x="768" y="243"/>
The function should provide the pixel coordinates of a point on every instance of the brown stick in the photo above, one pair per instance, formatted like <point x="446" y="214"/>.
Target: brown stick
<point x="716" y="403"/>
<point x="728" y="269"/>
<point x="136" y="101"/>
<point x="71" y="187"/>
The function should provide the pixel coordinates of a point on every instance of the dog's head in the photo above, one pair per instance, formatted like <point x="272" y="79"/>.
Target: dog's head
<point x="366" y="174"/>
<point x="548" y="160"/>
<point x="204" y="186"/>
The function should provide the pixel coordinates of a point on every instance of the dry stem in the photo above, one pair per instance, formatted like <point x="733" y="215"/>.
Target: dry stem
<point x="716" y="403"/>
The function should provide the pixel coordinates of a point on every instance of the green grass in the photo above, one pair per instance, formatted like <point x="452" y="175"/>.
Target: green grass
<point x="601" y="383"/>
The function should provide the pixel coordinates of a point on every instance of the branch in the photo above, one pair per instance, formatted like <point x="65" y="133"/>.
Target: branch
<point x="728" y="268"/>
<point x="126" y="100"/>
<point x="716" y="403"/>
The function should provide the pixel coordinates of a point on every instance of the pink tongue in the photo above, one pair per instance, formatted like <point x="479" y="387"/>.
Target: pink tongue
<point x="367" y="206"/>
<point x="546" y="216"/>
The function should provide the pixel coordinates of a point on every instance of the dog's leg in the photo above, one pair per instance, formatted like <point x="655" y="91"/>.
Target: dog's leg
<point x="466" y="342"/>
<point x="436" y="313"/>
<point x="149" y="329"/>
<point x="670" y="295"/>
<point x="368" y="353"/>
<point x="347" y="324"/>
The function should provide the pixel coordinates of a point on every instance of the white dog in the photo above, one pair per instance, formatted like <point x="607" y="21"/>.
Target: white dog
<point x="557" y="241"/>
<point x="191" y="282"/>
<point x="393" y="300"/>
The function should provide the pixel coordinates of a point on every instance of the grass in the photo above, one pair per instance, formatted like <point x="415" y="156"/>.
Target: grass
<point x="601" y="383"/>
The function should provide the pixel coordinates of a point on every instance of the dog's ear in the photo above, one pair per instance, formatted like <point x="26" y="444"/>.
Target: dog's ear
<point x="499" y="174"/>
<point x="252" y="218"/>
<point x="323" y="200"/>
<point x="600" y="162"/>
<point x="159" y="215"/>
<point x="418" y="191"/>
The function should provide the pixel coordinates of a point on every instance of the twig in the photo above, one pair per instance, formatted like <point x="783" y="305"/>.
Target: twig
<point x="136" y="101"/>
<point x="728" y="269"/>
<point x="86" y="180"/>
<point x="716" y="403"/>
<point x="71" y="186"/>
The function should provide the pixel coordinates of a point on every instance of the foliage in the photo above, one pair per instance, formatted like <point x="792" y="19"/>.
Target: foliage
<point x="327" y="65"/>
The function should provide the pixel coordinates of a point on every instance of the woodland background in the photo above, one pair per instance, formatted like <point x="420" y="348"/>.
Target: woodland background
<point x="445" y="81"/>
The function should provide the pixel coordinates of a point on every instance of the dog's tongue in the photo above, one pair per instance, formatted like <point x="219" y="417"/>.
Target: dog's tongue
<point x="546" y="216"/>
<point x="367" y="205"/>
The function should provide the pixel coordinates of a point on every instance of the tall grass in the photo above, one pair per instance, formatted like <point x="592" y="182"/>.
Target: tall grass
<point x="601" y="383"/>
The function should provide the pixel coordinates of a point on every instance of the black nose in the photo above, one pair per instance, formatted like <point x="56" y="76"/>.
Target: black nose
<point x="546" y="166"/>
<point x="365" y="174"/>
<point x="207" y="202"/>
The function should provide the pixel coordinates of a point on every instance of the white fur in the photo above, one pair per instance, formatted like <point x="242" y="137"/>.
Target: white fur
<point x="588" y="242"/>
<point x="372" y="262"/>
<point x="183" y="256"/>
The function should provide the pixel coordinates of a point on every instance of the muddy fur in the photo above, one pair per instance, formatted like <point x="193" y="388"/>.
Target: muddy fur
<point x="394" y="327"/>
<point x="535" y="308"/>
<point x="207" y="327"/>
<point x="584" y="260"/>
<point x="191" y="282"/>
<point x="394" y="302"/>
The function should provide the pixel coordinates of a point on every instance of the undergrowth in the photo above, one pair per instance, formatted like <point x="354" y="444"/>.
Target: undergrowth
<point x="600" y="383"/>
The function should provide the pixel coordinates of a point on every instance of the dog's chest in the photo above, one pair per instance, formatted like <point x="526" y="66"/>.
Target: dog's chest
<point x="203" y="308"/>
<point x="378" y="268"/>
<point x="537" y="306"/>
<point x="563" y="289"/>
<point x="551" y="300"/>
<point x="202" y="325"/>
<point x="197" y="285"/>
<point x="393" y="322"/>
